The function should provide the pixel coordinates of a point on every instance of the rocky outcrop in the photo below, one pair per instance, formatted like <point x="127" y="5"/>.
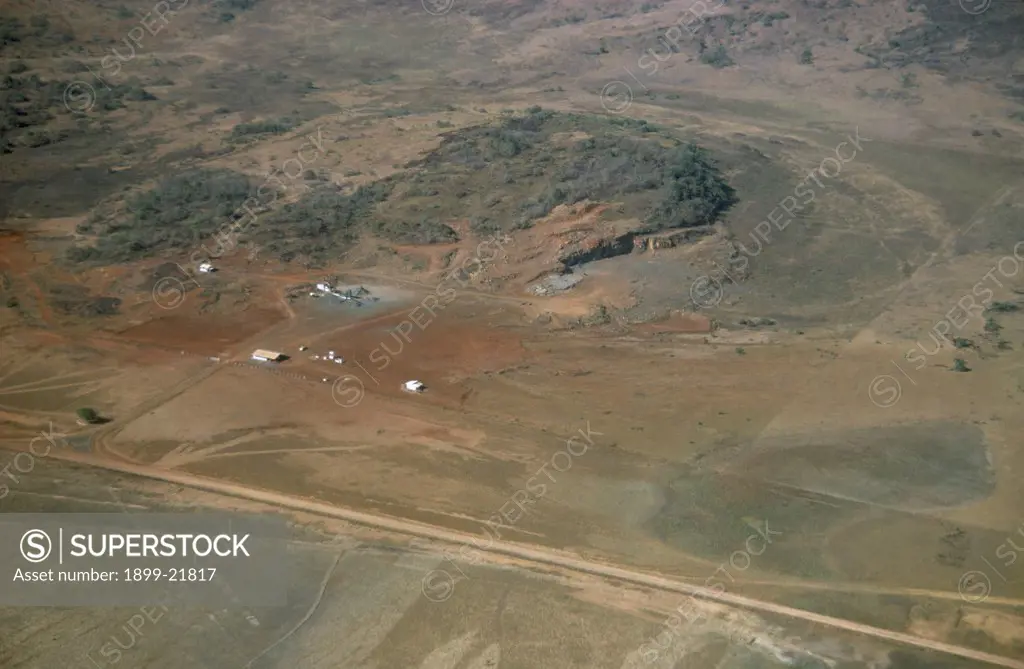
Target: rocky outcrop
<point x="597" y="249"/>
<point x="672" y="238"/>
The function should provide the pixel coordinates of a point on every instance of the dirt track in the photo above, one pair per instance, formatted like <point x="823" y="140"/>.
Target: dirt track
<point x="533" y="555"/>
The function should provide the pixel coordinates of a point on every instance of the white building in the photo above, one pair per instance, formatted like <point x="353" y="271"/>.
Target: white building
<point x="206" y="268"/>
<point x="413" y="387"/>
<point x="262" y="355"/>
<point x="325" y="287"/>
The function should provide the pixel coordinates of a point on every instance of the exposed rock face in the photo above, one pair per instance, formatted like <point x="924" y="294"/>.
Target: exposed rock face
<point x="616" y="245"/>
<point x="598" y="249"/>
<point x="672" y="238"/>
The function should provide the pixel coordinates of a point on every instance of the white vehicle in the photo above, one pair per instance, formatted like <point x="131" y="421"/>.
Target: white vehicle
<point x="413" y="387"/>
<point x="339" y="360"/>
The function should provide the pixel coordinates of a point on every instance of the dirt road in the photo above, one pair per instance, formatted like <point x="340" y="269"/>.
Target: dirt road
<point x="532" y="554"/>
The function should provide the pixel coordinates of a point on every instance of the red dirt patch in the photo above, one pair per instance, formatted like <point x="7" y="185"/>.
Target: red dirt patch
<point x="441" y="355"/>
<point x="201" y="334"/>
<point x="685" y="323"/>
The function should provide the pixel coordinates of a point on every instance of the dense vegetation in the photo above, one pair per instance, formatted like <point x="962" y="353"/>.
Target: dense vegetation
<point x="322" y="223"/>
<point x="509" y="175"/>
<point x="495" y="177"/>
<point x="38" y="31"/>
<point x="180" y="212"/>
<point x="29" y="101"/>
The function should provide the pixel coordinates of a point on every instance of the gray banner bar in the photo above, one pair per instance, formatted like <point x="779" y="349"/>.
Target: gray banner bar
<point x="143" y="559"/>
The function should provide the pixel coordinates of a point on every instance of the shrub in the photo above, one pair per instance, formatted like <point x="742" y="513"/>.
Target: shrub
<point x="137" y="93"/>
<point x="73" y="67"/>
<point x="426" y="231"/>
<point x="239" y="5"/>
<point x="717" y="57"/>
<point x="960" y="365"/>
<point x="769" y="19"/>
<point x="88" y="415"/>
<point x="269" y="127"/>
<point x="807" y="57"/>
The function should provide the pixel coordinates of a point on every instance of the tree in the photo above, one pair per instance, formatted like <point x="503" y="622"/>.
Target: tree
<point x="807" y="57"/>
<point x="88" y="415"/>
<point x="960" y="365"/>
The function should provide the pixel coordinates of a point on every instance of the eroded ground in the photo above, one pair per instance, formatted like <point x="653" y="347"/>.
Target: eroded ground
<point x="724" y="383"/>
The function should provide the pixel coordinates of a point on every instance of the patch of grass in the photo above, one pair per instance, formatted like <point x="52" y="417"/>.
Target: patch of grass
<point x="1003" y="307"/>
